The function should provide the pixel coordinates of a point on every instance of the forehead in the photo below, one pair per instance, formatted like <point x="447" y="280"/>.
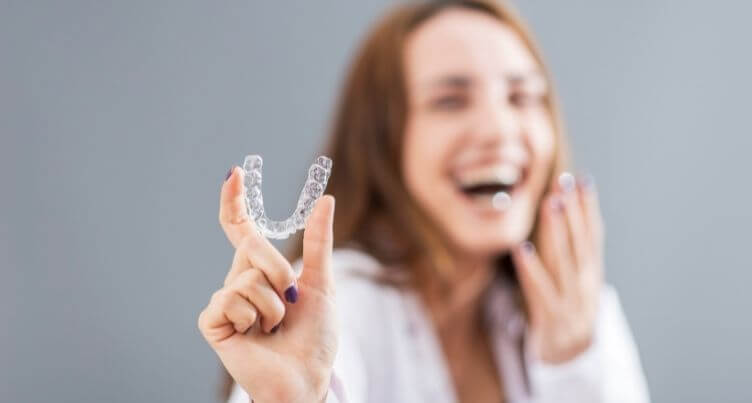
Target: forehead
<point x="465" y="42"/>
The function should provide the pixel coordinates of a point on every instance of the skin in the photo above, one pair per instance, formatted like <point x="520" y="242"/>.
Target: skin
<point x="474" y="94"/>
<point x="476" y="101"/>
<point x="291" y="362"/>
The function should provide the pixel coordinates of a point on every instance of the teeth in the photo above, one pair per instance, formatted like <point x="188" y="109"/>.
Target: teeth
<point x="504" y="174"/>
<point x="508" y="175"/>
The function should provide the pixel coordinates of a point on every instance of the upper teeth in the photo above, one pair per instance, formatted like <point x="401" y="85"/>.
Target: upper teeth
<point x="506" y="175"/>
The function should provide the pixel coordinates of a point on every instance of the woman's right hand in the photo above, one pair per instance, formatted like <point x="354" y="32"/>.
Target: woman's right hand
<point x="288" y="355"/>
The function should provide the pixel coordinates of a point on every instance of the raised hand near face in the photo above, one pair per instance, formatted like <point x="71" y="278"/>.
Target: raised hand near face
<point x="561" y="279"/>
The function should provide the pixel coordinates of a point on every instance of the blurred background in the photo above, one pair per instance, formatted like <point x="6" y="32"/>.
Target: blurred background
<point x="119" y="120"/>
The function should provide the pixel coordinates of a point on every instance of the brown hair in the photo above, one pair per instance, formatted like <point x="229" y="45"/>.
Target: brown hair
<point x="374" y="211"/>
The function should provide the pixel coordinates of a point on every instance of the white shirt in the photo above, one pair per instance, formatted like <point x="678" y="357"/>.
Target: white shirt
<point x="389" y="351"/>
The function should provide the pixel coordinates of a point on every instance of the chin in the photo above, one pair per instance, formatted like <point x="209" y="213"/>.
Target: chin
<point x="487" y="241"/>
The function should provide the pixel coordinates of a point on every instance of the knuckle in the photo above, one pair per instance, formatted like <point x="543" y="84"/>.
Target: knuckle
<point x="222" y="299"/>
<point x="251" y="242"/>
<point x="215" y="296"/>
<point x="238" y="218"/>
<point x="274" y="311"/>
<point x="201" y="320"/>
<point x="242" y="324"/>
<point x="248" y="280"/>
<point x="252" y="277"/>
<point x="252" y="316"/>
<point x="246" y="247"/>
<point x="278" y="310"/>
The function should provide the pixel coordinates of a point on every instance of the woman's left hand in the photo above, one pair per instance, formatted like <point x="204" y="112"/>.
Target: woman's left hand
<point x="561" y="280"/>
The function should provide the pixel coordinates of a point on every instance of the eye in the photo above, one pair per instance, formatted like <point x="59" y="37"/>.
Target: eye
<point x="525" y="99"/>
<point x="450" y="102"/>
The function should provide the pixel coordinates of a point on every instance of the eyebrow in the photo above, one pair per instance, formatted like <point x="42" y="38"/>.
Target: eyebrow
<point x="452" y="81"/>
<point x="461" y="81"/>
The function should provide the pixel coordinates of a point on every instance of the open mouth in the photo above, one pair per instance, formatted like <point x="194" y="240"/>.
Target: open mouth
<point x="486" y="189"/>
<point x="493" y="188"/>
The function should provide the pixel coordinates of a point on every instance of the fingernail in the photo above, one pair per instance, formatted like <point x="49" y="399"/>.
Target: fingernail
<point x="566" y="182"/>
<point x="587" y="181"/>
<point x="528" y="247"/>
<point x="229" y="173"/>
<point x="275" y="328"/>
<point x="557" y="204"/>
<point x="291" y="294"/>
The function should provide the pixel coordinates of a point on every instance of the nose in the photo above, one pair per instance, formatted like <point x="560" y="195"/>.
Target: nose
<point x="495" y="120"/>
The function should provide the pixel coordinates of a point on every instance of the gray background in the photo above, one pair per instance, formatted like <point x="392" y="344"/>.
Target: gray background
<point x="120" y="119"/>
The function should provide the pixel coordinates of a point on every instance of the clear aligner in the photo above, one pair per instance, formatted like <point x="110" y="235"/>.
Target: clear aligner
<point x="318" y="176"/>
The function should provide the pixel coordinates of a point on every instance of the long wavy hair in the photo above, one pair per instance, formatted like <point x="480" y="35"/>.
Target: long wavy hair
<point x="375" y="212"/>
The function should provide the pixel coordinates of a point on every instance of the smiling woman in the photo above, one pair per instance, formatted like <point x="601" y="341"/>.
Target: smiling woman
<point x="467" y="261"/>
<point x="477" y="102"/>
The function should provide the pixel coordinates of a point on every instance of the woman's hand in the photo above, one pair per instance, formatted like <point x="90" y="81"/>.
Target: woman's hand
<point x="288" y="355"/>
<point x="561" y="282"/>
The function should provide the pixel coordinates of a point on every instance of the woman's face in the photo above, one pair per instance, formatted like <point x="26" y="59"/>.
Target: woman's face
<point x="477" y="126"/>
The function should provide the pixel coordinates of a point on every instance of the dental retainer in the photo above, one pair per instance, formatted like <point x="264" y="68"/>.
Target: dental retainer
<point x="318" y="176"/>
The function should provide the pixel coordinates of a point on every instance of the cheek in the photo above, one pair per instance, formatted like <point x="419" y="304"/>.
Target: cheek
<point x="542" y="142"/>
<point x="425" y="149"/>
<point x="428" y="146"/>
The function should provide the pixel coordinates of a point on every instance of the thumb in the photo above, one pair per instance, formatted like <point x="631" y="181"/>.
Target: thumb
<point x="318" y="240"/>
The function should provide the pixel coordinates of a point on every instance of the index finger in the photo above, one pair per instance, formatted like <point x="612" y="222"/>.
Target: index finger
<point x="233" y="216"/>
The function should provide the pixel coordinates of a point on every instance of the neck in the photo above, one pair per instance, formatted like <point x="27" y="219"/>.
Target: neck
<point x="456" y="307"/>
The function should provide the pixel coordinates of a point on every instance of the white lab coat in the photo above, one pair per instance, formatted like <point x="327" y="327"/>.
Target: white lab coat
<point x="389" y="352"/>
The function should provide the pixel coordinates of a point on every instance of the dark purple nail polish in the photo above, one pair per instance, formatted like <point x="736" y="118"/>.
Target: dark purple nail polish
<point x="528" y="247"/>
<point x="291" y="294"/>
<point x="275" y="328"/>
<point x="229" y="173"/>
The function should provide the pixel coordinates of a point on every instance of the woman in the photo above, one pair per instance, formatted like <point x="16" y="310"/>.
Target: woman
<point x="467" y="262"/>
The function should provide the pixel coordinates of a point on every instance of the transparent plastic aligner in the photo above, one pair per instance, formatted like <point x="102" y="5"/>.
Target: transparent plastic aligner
<point x="318" y="176"/>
